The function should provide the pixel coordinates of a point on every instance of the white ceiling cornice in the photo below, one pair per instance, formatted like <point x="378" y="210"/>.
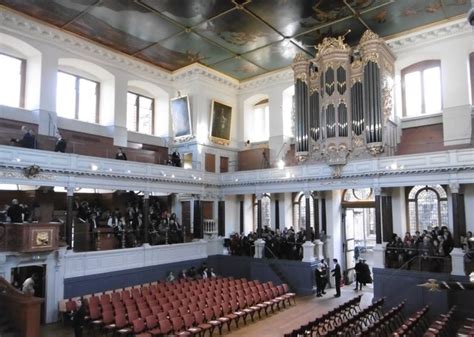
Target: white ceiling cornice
<point x="19" y="24"/>
<point x="431" y="34"/>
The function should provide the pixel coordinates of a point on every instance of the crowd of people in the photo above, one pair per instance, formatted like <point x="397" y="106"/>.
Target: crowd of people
<point x="164" y="227"/>
<point x="193" y="273"/>
<point x="17" y="212"/>
<point x="285" y="244"/>
<point x="431" y="245"/>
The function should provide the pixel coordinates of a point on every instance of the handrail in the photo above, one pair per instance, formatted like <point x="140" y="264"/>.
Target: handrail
<point x="22" y="311"/>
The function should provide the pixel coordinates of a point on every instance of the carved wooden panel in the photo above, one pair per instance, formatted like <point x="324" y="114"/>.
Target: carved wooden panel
<point x="254" y="159"/>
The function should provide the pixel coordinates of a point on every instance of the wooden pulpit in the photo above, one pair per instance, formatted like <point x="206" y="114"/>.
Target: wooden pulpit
<point x="23" y="311"/>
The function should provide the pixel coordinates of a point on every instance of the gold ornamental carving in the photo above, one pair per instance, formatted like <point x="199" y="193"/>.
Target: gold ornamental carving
<point x="299" y="57"/>
<point x="371" y="57"/>
<point x="368" y="36"/>
<point x="303" y="77"/>
<point x="331" y="44"/>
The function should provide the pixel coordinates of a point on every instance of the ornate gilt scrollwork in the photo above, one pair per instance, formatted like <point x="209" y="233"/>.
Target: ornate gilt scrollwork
<point x="368" y="36"/>
<point x="330" y="44"/>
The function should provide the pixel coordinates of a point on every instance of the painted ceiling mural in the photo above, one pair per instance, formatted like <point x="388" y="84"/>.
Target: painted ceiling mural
<point x="241" y="38"/>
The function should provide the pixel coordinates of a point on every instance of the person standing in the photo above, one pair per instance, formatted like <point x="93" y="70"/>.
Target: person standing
<point x="318" y="277"/>
<point x="15" y="212"/>
<point x="324" y="274"/>
<point x="60" y="143"/>
<point x="78" y="319"/>
<point x="359" y="270"/>
<point x="28" y="287"/>
<point x="120" y="155"/>
<point x="336" y="272"/>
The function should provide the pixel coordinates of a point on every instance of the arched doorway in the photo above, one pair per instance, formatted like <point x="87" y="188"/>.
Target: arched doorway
<point x="358" y="220"/>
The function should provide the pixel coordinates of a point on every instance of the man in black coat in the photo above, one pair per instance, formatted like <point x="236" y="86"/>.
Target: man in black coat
<point x="359" y="270"/>
<point x="60" y="144"/>
<point x="78" y="320"/>
<point x="336" y="272"/>
<point x="15" y="212"/>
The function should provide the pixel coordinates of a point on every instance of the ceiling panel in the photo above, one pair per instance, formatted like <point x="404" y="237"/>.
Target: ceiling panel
<point x="123" y="25"/>
<point x="189" y="12"/>
<point x="187" y="48"/>
<point x="265" y="33"/>
<point x="274" y="56"/>
<point x="403" y="15"/>
<point x="56" y="12"/>
<point x="310" y="40"/>
<point x="238" y="31"/>
<point x="239" y="68"/>
<point x="297" y="16"/>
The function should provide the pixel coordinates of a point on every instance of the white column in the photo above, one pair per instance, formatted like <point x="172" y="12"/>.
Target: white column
<point x="308" y="246"/>
<point x="379" y="255"/>
<point x="46" y="108"/>
<point x="286" y="211"/>
<point x="457" y="125"/>
<point x="118" y="121"/>
<point x="277" y="140"/>
<point x="248" y="214"/>
<point x="319" y="249"/>
<point x="457" y="262"/>
<point x="259" y="247"/>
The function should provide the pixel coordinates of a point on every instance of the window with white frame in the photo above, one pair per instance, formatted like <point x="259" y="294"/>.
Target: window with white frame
<point x="421" y="88"/>
<point x="260" y="122"/>
<point x="299" y="211"/>
<point x="266" y="212"/>
<point x="427" y="207"/>
<point x="77" y="98"/>
<point x="140" y="117"/>
<point x="12" y="81"/>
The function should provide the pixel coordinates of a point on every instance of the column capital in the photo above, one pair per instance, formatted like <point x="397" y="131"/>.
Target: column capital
<point x="146" y="194"/>
<point x="307" y="194"/>
<point x="377" y="190"/>
<point x="259" y="196"/>
<point x="454" y="187"/>
<point x="69" y="191"/>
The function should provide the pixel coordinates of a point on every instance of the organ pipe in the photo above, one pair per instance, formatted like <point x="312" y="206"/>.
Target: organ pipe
<point x="342" y="100"/>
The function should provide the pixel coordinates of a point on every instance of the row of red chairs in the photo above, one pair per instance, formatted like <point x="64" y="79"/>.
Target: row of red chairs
<point x="127" y="311"/>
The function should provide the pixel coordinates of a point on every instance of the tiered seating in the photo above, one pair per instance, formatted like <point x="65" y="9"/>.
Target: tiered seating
<point x="327" y="323"/>
<point x="414" y="325"/>
<point x="467" y="329"/>
<point x="187" y="307"/>
<point x="386" y="324"/>
<point x="443" y="326"/>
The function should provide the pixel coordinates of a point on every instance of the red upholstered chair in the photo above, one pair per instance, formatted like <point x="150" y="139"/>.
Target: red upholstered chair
<point x="121" y="325"/>
<point x="152" y="325"/>
<point x="199" y="320"/>
<point x="210" y="318"/>
<point x="189" y="325"/>
<point x="178" y="327"/>
<point x="138" y="328"/>
<point x="165" y="326"/>
<point x="162" y="316"/>
<point x="227" y="311"/>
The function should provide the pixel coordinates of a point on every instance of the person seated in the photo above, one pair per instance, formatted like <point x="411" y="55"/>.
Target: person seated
<point x="120" y="155"/>
<point x="183" y="274"/>
<point x="60" y="143"/>
<point x="191" y="274"/>
<point x="176" y="159"/>
<point x="170" y="277"/>
<point x="28" y="139"/>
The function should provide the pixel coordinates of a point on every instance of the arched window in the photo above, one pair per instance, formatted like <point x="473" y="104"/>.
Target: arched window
<point x="427" y="207"/>
<point x="12" y="81"/>
<point x="85" y="91"/>
<point x="266" y="211"/>
<point x="77" y="97"/>
<point x="299" y="211"/>
<point x="140" y="116"/>
<point x="421" y="88"/>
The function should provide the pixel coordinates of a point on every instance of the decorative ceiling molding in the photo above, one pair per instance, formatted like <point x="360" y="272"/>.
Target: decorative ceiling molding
<point x="438" y="32"/>
<point x="33" y="29"/>
<point x="199" y="71"/>
<point x="276" y="77"/>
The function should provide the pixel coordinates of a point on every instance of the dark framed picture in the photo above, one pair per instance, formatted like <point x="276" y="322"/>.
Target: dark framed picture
<point x="181" y="115"/>
<point x="221" y="122"/>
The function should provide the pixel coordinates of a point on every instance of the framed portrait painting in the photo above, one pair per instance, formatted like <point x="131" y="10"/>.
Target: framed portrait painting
<point x="221" y="122"/>
<point x="181" y="115"/>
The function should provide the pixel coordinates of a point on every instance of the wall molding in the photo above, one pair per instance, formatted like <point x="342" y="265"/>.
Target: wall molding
<point x="438" y="32"/>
